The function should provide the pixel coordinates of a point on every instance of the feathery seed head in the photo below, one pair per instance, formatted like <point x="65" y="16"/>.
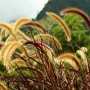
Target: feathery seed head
<point x="62" y="23"/>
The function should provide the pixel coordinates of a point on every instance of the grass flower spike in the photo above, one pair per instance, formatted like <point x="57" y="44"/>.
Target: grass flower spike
<point x="62" y="23"/>
<point x="77" y="11"/>
<point x="69" y="58"/>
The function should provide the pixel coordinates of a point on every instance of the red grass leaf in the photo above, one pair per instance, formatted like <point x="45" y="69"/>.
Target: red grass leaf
<point x="33" y="69"/>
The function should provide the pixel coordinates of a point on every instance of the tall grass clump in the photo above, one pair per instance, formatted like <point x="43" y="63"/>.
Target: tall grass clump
<point x="32" y="64"/>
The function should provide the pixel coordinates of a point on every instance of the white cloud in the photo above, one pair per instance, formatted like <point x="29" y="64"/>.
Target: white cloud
<point x="12" y="9"/>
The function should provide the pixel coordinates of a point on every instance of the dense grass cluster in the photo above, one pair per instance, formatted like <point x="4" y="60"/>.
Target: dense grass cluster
<point x="30" y="62"/>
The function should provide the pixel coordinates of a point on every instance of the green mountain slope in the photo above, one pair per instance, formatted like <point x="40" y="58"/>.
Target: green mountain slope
<point x="57" y="5"/>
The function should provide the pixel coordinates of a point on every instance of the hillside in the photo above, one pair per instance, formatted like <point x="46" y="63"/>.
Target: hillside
<point x="57" y="5"/>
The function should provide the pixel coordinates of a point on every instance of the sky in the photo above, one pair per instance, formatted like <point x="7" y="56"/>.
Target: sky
<point x="14" y="9"/>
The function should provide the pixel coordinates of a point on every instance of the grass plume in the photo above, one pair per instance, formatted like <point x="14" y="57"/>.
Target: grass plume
<point x="69" y="58"/>
<point x="20" y="22"/>
<point x="52" y="38"/>
<point x="62" y="23"/>
<point x="37" y="25"/>
<point x="77" y="11"/>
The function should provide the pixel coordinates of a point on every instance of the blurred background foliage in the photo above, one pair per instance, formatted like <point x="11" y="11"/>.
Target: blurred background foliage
<point x="80" y="32"/>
